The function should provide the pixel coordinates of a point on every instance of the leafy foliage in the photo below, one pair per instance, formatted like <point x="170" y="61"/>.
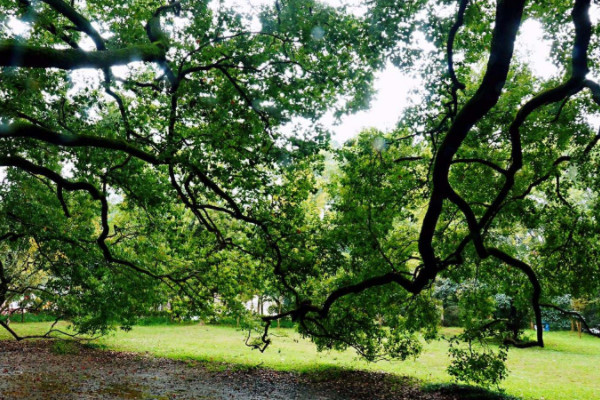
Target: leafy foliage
<point x="185" y="165"/>
<point x="481" y="366"/>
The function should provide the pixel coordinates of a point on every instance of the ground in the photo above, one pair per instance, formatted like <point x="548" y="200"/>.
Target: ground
<point x="565" y="369"/>
<point x="54" y="370"/>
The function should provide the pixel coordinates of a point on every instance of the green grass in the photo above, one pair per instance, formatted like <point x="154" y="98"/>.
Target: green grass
<point x="568" y="368"/>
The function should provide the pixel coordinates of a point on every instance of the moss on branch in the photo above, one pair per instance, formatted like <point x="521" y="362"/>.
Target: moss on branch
<point x="14" y="54"/>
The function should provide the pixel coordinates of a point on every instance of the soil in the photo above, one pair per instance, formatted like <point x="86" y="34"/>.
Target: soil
<point x="42" y="370"/>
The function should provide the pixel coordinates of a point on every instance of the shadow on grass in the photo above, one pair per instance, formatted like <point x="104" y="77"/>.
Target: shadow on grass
<point x="466" y="392"/>
<point x="388" y="385"/>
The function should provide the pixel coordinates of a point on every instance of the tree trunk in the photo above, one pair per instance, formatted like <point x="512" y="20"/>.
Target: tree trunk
<point x="279" y="319"/>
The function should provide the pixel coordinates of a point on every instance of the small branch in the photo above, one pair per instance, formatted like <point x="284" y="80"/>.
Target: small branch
<point x="402" y="159"/>
<point x="487" y="163"/>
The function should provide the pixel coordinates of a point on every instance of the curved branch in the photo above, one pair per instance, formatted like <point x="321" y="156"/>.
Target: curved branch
<point x="574" y="84"/>
<point x="450" y="45"/>
<point x="508" y="18"/>
<point x="23" y="164"/>
<point x="456" y="84"/>
<point x="481" y="161"/>
<point x="50" y="27"/>
<point x="574" y="314"/>
<point x="157" y="36"/>
<point x="535" y="296"/>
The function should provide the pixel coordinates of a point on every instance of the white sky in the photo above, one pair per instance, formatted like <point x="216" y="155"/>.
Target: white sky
<point x="393" y="87"/>
<point x="392" y="96"/>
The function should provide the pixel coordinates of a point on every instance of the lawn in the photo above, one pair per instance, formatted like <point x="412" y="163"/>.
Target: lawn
<point x="568" y="368"/>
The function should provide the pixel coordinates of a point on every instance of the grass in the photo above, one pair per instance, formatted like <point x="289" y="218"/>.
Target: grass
<point x="568" y="368"/>
<point x="64" y="347"/>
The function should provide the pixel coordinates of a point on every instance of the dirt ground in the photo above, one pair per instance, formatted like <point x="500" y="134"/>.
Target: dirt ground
<point x="38" y="370"/>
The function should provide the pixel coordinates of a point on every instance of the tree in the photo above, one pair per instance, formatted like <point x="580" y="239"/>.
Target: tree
<point x="490" y="178"/>
<point x="166" y="172"/>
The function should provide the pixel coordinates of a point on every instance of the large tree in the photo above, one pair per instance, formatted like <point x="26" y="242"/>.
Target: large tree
<point x="164" y="170"/>
<point x="193" y="166"/>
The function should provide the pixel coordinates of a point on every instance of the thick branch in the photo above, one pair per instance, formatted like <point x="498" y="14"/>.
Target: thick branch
<point x="508" y="18"/>
<point x="79" y="20"/>
<point x="24" y="130"/>
<point x="14" y="54"/>
<point x="573" y="314"/>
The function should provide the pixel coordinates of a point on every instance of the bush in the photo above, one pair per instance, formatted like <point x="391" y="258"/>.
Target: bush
<point x="451" y="316"/>
<point x="29" y="317"/>
<point x="163" y="318"/>
<point x="155" y="320"/>
<point x="554" y="318"/>
<point x="38" y="317"/>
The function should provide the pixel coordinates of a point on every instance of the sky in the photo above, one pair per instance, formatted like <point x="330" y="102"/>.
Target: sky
<point x="393" y="87"/>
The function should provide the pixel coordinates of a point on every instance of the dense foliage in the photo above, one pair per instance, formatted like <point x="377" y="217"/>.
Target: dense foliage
<point x="172" y="153"/>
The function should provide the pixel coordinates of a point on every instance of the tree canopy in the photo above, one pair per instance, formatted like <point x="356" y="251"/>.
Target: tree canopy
<point x="174" y="150"/>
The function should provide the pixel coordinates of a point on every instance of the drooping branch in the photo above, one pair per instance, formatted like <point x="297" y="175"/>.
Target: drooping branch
<point x="481" y="161"/>
<point x="507" y="22"/>
<point x="535" y="296"/>
<point x="572" y="314"/>
<point x="24" y="130"/>
<point x="25" y="165"/>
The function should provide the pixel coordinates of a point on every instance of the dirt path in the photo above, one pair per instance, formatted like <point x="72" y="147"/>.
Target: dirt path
<point x="33" y="370"/>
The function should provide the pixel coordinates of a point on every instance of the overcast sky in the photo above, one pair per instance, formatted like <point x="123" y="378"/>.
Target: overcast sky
<point x="393" y="87"/>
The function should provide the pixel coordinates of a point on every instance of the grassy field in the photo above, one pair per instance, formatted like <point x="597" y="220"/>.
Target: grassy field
<point x="568" y="368"/>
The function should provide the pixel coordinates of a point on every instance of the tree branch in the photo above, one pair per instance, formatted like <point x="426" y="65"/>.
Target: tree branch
<point x="14" y="54"/>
